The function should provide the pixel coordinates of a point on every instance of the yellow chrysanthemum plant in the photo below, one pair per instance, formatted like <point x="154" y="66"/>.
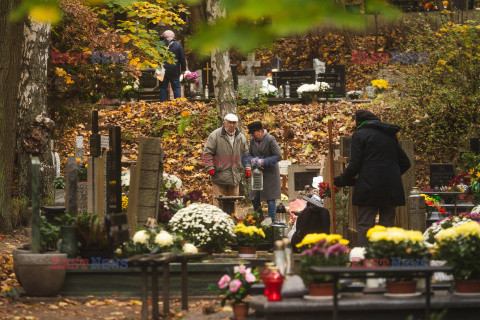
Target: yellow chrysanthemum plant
<point x="380" y="84"/>
<point x="248" y="236"/>
<point x="321" y="250"/>
<point x="460" y="247"/>
<point x="397" y="247"/>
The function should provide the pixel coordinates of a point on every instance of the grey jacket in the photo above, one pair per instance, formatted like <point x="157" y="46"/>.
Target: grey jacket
<point x="226" y="160"/>
<point x="270" y="152"/>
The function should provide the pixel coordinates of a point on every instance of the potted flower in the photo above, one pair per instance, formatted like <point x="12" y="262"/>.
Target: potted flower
<point x="387" y="244"/>
<point x="321" y="250"/>
<point x="235" y="288"/>
<point x="189" y="81"/>
<point x="459" y="246"/>
<point x="155" y="241"/>
<point x="205" y="226"/>
<point x="268" y="89"/>
<point x="311" y="92"/>
<point x="248" y="239"/>
<point x="448" y="222"/>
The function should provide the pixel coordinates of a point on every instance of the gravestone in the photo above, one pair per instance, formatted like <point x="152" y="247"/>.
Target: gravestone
<point x="145" y="181"/>
<point x="207" y="79"/>
<point x="249" y="65"/>
<point x="79" y="148"/>
<point x="114" y="172"/>
<point x="441" y="174"/>
<point x="300" y="176"/>
<point x="276" y="64"/>
<point x="71" y="185"/>
<point x="295" y="78"/>
<point x="335" y="77"/>
<point x="149" y="86"/>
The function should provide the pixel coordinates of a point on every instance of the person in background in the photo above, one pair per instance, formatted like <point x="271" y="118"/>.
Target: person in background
<point x="379" y="161"/>
<point x="222" y="158"/>
<point x="265" y="153"/>
<point x="172" y="70"/>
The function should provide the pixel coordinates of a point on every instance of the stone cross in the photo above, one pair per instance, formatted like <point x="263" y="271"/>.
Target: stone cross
<point x="319" y="66"/>
<point x="36" y="247"/>
<point x="250" y="64"/>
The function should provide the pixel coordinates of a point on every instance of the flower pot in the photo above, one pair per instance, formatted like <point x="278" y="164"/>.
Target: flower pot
<point x="467" y="286"/>
<point x="39" y="277"/>
<point x="240" y="310"/>
<point x="247" y="252"/>
<point x="321" y="289"/>
<point x="401" y="287"/>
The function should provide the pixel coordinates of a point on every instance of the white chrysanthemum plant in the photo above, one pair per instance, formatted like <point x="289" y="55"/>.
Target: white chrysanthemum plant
<point x="155" y="241"/>
<point x="205" y="226"/>
<point x="317" y="87"/>
<point x="267" y="88"/>
<point x="125" y="177"/>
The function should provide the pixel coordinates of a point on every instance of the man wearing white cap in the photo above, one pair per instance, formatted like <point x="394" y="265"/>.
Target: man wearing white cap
<point x="222" y="158"/>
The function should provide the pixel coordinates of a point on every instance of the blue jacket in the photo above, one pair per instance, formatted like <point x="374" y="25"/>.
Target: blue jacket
<point x="175" y="69"/>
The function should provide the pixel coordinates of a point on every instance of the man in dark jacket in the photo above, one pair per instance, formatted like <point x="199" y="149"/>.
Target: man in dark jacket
<point x="172" y="70"/>
<point x="379" y="161"/>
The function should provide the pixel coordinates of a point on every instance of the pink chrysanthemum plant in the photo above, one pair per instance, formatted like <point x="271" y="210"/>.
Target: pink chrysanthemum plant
<point x="235" y="287"/>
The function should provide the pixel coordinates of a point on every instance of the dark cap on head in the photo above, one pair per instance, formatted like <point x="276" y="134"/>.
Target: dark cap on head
<point x="362" y="115"/>
<point x="254" y="126"/>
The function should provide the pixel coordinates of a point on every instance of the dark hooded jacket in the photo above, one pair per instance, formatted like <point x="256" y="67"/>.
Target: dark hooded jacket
<point x="379" y="161"/>
<point x="173" y="70"/>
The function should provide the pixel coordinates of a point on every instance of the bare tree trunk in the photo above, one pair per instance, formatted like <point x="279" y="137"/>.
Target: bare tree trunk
<point x="222" y="73"/>
<point x="10" y="61"/>
<point x="34" y="127"/>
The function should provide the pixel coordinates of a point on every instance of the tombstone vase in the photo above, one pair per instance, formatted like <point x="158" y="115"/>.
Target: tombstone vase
<point x="240" y="310"/>
<point x="467" y="286"/>
<point x="247" y="252"/>
<point x="401" y="287"/>
<point x="320" y="289"/>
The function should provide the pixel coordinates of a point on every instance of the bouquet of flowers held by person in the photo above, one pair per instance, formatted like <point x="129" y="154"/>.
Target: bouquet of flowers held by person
<point x="236" y="287"/>
<point x="189" y="77"/>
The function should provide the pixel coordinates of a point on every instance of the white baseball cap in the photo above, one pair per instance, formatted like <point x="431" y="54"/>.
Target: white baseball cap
<point x="231" y="117"/>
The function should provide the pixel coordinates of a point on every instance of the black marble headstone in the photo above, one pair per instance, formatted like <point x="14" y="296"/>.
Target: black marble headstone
<point x="302" y="179"/>
<point x="335" y="76"/>
<point x="441" y="174"/>
<point x="114" y="172"/>
<point x="295" y="78"/>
